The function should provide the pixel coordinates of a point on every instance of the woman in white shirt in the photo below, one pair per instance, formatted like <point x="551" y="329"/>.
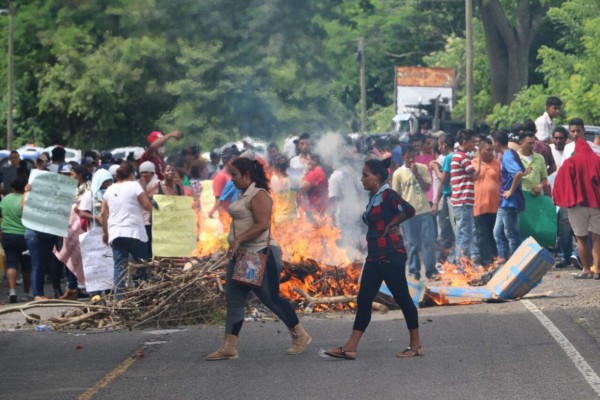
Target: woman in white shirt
<point x="123" y="223"/>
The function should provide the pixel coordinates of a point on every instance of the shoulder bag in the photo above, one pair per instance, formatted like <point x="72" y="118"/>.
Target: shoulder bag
<point x="250" y="266"/>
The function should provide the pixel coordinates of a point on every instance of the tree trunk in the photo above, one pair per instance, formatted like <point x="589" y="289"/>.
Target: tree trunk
<point x="508" y="46"/>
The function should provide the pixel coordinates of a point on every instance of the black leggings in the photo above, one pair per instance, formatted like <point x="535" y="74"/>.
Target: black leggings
<point x="390" y="270"/>
<point x="268" y="293"/>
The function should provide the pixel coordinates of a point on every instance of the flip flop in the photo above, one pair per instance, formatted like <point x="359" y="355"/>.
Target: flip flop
<point x="584" y="275"/>
<point x="339" y="352"/>
<point x="411" y="352"/>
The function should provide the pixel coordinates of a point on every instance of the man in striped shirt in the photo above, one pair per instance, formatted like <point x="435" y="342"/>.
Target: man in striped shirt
<point x="462" y="180"/>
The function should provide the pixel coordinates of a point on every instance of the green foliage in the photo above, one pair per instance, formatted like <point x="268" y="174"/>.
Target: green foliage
<point x="570" y="69"/>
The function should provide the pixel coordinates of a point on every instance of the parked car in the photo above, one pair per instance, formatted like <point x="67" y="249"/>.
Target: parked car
<point x="30" y="152"/>
<point x="123" y="152"/>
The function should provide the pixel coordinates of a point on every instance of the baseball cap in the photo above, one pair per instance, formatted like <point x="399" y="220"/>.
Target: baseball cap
<point x="147" y="166"/>
<point x="153" y="136"/>
<point x="113" y="169"/>
<point x="65" y="169"/>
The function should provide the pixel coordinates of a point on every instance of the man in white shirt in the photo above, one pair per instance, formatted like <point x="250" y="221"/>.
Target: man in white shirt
<point x="577" y="130"/>
<point x="559" y="140"/>
<point x="299" y="163"/>
<point x="545" y="123"/>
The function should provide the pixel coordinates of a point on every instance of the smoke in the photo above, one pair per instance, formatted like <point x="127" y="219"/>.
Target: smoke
<point x="345" y="187"/>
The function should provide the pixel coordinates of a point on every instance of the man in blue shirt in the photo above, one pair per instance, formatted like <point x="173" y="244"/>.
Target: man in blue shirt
<point x="506" y="230"/>
<point x="441" y="201"/>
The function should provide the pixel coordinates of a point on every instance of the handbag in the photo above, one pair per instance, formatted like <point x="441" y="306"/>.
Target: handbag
<point x="250" y="266"/>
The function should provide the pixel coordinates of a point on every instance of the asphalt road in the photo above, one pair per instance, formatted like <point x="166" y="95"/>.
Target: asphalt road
<point x="486" y="351"/>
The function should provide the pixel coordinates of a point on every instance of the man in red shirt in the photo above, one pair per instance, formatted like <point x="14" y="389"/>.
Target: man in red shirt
<point x="314" y="190"/>
<point x="156" y="150"/>
<point x="220" y="180"/>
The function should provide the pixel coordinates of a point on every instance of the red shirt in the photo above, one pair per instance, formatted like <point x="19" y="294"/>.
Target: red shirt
<point x="219" y="182"/>
<point x="318" y="195"/>
<point x="463" y="187"/>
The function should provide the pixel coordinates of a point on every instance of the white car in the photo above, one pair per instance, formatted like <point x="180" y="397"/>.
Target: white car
<point x="70" y="154"/>
<point x="30" y="151"/>
<point x="123" y="152"/>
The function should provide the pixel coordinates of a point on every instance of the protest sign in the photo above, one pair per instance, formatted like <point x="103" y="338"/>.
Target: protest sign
<point x="70" y="253"/>
<point x="173" y="226"/>
<point x="48" y="204"/>
<point x="98" y="265"/>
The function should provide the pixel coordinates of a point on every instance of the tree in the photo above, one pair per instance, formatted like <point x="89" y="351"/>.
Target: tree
<point x="569" y="68"/>
<point x="510" y="28"/>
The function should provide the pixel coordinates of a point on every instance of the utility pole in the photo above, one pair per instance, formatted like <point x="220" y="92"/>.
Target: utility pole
<point x="469" y="34"/>
<point x="10" y="77"/>
<point x="363" y="85"/>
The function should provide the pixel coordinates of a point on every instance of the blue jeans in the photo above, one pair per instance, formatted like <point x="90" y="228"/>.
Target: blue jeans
<point x="506" y="232"/>
<point x="419" y="233"/>
<point x="445" y="230"/>
<point x="122" y="247"/>
<point x="565" y="234"/>
<point x="40" y="247"/>
<point x="463" y="215"/>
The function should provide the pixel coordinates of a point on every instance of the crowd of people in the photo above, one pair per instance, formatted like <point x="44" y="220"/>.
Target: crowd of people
<point x="475" y="196"/>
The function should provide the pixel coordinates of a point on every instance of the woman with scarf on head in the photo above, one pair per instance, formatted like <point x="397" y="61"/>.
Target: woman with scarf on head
<point x="386" y="260"/>
<point x="90" y="204"/>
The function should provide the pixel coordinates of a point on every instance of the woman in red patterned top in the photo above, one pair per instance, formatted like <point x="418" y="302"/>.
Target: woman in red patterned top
<point x="386" y="260"/>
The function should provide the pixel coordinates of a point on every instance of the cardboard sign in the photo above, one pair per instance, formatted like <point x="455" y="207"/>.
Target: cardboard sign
<point x="97" y="258"/>
<point x="174" y="226"/>
<point x="522" y="272"/>
<point x="48" y="205"/>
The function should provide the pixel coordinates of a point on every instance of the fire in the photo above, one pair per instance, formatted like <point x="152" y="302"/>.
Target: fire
<point x="461" y="274"/>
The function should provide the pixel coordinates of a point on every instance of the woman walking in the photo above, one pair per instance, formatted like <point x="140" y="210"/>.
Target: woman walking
<point x="251" y="230"/>
<point x="386" y="260"/>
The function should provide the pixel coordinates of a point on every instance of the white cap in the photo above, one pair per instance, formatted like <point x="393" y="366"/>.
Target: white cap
<point x="147" y="166"/>
<point x="248" y="140"/>
<point x="113" y="169"/>
<point x="65" y="169"/>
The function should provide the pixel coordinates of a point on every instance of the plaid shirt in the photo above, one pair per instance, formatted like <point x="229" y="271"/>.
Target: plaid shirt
<point x="383" y="206"/>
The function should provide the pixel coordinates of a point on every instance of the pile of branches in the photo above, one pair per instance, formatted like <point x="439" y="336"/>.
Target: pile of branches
<point x="175" y="293"/>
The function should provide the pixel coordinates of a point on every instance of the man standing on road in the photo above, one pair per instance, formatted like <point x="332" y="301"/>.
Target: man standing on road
<point x="564" y="232"/>
<point x="412" y="181"/>
<point x="156" y="149"/>
<point x="441" y="201"/>
<point x="487" y="199"/>
<point x="462" y="180"/>
<point x="545" y="123"/>
<point x="576" y="188"/>
<point x="506" y="229"/>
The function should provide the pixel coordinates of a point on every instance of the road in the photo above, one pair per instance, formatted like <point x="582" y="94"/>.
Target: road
<point x="513" y="350"/>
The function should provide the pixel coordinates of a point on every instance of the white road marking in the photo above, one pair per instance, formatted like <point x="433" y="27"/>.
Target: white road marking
<point x="586" y="370"/>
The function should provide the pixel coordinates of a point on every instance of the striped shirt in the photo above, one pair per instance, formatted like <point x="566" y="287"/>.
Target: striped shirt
<point x="463" y="186"/>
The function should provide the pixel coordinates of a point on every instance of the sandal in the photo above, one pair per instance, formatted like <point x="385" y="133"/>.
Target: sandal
<point x="584" y="275"/>
<point x="411" y="352"/>
<point x="339" y="352"/>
